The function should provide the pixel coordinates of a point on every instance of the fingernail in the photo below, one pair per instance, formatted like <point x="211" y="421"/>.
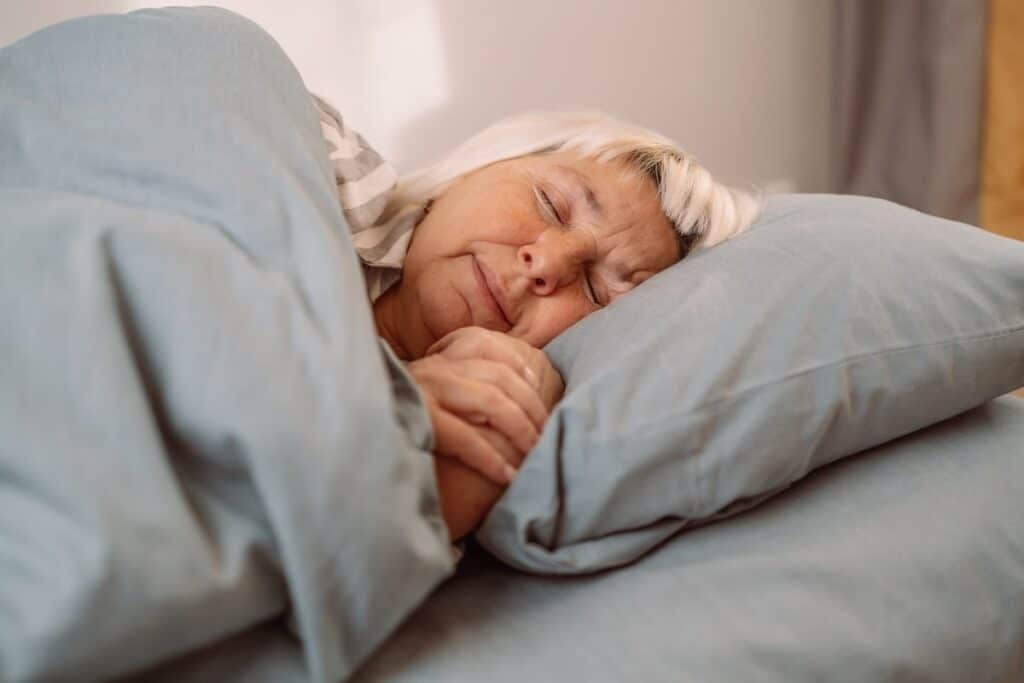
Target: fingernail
<point x="530" y="376"/>
<point x="510" y="473"/>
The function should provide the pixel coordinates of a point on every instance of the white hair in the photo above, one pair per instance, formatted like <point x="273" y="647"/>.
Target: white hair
<point x="703" y="211"/>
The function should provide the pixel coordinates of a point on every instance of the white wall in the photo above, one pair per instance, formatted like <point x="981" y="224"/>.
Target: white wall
<point x="742" y="84"/>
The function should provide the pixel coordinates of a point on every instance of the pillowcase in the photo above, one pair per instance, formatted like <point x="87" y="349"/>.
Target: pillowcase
<point x="836" y="323"/>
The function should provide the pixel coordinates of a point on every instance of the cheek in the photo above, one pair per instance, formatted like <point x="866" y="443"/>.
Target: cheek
<point x="502" y="222"/>
<point x="439" y="303"/>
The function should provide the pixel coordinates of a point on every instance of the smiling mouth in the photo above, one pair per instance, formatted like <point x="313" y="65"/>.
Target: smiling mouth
<point x="489" y="297"/>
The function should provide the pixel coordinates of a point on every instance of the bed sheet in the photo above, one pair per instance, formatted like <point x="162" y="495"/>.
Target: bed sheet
<point x="903" y="563"/>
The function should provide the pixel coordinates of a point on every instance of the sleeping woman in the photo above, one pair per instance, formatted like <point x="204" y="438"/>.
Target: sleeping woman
<point x="475" y="264"/>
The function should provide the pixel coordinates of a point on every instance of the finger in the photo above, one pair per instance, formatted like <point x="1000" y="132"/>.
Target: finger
<point x="482" y="402"/>
<point x="552" y="387"/>
<point x="457" y="391"/>
<point x="450" y="338"/>
<point x="456" y="439"/>
<point x="474" y="342"/>
<point x="502" y="445"/>
<point x="514" y="386"/>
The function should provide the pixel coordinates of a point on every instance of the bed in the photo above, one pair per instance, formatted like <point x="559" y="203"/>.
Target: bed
<point x="903" y="563"/>
<point x="803" y="465"/>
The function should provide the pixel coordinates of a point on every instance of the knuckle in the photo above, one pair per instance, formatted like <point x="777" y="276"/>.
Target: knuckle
<point x="432" y="361"/>
<point x="466" y="345"/>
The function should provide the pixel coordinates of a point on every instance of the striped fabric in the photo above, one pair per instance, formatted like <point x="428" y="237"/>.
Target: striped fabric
<point x="365" y="181"/>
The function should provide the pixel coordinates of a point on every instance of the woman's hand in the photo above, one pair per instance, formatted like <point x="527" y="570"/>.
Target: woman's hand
<point x="468" y="491"/>
<point x="485" y="412"/>
<point x="532" y="363"/>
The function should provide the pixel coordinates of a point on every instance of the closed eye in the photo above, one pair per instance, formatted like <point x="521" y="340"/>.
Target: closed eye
<point x="548" y="208"/>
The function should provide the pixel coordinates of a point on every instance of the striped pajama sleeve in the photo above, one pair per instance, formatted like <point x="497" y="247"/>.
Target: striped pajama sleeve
<point x="364" y="183"/>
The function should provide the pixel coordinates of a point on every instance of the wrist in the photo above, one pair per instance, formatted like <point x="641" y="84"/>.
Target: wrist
<point x="465" y="496"/>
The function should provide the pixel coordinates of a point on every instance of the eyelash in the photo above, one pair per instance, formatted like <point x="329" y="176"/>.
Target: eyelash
<point x="550" y="207"/>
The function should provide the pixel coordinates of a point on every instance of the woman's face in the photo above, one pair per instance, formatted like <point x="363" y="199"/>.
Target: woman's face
<point x="553" y="236"/>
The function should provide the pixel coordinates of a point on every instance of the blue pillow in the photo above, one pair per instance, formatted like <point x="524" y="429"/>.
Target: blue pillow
<point x="834" y="324"/>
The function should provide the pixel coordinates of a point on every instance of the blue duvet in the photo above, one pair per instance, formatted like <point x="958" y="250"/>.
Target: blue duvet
<point x="199" y="432"/>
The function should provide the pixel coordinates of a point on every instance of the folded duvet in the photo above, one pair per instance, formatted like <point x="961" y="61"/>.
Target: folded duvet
<point x="200" y="432"/>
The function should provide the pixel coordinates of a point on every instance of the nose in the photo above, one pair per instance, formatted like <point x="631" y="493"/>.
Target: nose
<point x="551" y="262"/>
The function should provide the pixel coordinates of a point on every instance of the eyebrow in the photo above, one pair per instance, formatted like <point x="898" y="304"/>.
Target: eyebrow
<point x="591" y="196"/>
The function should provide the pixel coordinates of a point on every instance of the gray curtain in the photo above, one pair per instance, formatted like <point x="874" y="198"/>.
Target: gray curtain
<point x="908" y="102"/>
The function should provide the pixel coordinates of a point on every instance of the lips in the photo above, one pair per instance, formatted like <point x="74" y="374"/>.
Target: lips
<point x="490" y="290"/>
